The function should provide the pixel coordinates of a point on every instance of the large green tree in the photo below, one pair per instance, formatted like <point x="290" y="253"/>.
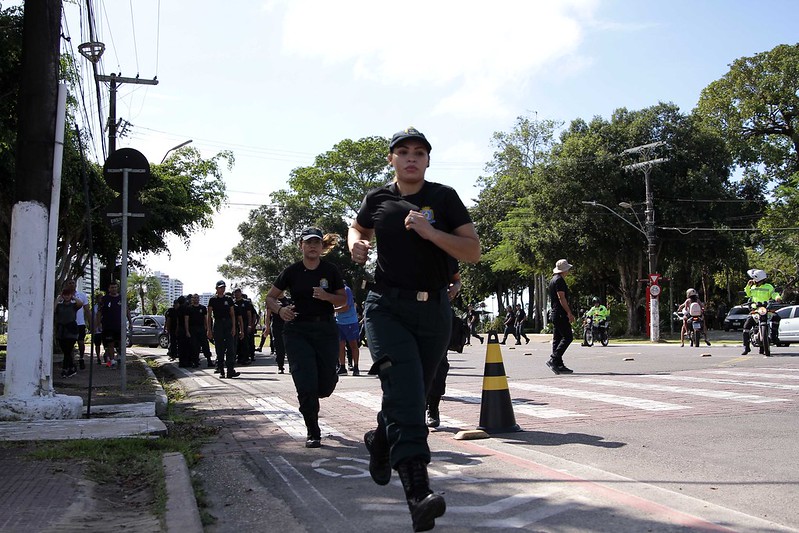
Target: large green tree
<point x="692" y="190"/>
<point x="755" y="107"/>
<point x="327" y="194"/>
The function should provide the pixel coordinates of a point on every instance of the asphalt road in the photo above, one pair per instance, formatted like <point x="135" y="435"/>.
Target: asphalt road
<point x="640" y="438"/>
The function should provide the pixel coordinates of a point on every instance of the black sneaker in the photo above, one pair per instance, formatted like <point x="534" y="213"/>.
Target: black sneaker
<point x="746" y="351"/>
<point x="562" y="369"/>
<point x="379" y="465"/>
<point x="64" y="373"/>
<point x="313" y="442"/>
<point x="71" y="372"/>
<point x="433" y="419"/>
<point x="342" y="370"/>
<point x="280" y="371"/>
<point x="553" y="367"/>
<point x="355" y="371"/>
<point x="210" y="364"/>
<point x="233" y="374"/>
<point x="481" y="339"/>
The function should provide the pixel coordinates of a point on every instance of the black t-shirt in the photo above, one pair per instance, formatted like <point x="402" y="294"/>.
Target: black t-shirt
<point x="197" y="314"/>
<point x="520" y="316"/>
<point x="240" y="308"/>
<point x="180" y="316"/>
<point x="404" y="259"/>
<point x="300" y="281"/>
<point x="557" y="284"/>
<point x="111" y="312"/>
<point x="169" y="315"/>
<point x="220" y="306"/>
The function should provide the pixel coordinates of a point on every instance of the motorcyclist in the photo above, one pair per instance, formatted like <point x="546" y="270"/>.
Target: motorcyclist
<point x="689" y="310"/>
<point x="598" y="313"/>
<point x="758" y="291"/>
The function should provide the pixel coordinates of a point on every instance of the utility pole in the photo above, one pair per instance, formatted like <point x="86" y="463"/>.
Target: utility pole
<point x="28" y="392"/>
<point x="645" y="153"/>
<point x="114" y="80"/>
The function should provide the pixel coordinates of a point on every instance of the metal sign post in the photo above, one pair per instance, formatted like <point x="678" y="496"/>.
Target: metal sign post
<point x="125" y="161"/>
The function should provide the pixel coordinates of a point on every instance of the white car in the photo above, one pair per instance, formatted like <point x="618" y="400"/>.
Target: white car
<point x="789" y="325"/>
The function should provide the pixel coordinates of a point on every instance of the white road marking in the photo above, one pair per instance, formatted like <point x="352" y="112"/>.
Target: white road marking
<point x="626" y="401"/>
<point x="707" y="393"/>
<point x="522" y="406"/>
<point x="693" y="379"/>
<point x="288" y="418"/>
<point x="751" y="374"/>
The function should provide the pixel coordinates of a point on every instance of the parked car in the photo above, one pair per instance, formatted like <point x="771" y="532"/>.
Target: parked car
<point x="736" y="317"/>
<point x="148" y="330"/>
<point x="789" y="325"/>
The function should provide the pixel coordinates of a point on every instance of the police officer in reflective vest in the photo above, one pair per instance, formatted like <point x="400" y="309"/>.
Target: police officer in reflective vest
<point x="758" y="291"/>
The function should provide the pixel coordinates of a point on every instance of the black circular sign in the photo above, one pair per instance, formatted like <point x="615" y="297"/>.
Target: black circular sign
<point x="132" y="160"/>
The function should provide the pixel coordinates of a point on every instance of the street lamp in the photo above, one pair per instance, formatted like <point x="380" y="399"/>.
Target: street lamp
<point x="637" y="228"/>
<point x="181" y="145"/>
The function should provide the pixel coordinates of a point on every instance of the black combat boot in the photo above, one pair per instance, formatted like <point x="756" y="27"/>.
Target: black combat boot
<point x="379" y="464"/>
<point x="746" y="343"/>
<point x="433" y="416"/>
<point x="424" y="505"/>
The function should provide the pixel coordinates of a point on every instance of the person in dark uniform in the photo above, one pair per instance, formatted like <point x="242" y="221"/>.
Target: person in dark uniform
<point x="310" y="332"/>
<point x="562" y="317"/>
<point x="520" y="317"/>
<point x="510" y="325"/>
<point x="182" y="333"/>
<point x="472" y="319"/>
<point x="243" y="318"/>
<point x="221" y="329"/>
<point x="250" y="335"/>
<point x="196" y="322"/>
<point x="439" y="385"/>
<point x="274" y="328"/>
<point x="418" y="226"/>
<point x="109" y="314"/>
<point x="170" y="323"/>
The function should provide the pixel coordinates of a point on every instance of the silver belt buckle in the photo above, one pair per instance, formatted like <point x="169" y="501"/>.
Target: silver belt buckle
<point x="422" y="296"/>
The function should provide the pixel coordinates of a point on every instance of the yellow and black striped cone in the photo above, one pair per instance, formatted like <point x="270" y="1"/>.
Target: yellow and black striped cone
<point x="496" y="408"/>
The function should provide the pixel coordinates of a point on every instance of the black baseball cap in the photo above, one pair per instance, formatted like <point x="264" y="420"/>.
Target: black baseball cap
<point x="408" y="133"/>
<point x="220" y="283"/>
<point x="311" y="233"/>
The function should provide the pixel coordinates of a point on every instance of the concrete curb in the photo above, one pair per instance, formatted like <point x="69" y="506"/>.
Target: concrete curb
<point x="161" y="400"/>
<point x="182" y="513"/>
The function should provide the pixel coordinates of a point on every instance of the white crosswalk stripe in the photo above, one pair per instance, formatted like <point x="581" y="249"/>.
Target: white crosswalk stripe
<point x="627" y="401"/>
<point x="694" y="379"/>
<point x="374" y="401"/>
<point x="287" y="417"/>
<point x="752" y="374"/>
<point x="525" y="407"/>
<point x="707" y="393"/>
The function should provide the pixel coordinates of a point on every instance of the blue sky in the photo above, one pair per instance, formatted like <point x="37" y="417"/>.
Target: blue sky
<point x="281" y="81"/>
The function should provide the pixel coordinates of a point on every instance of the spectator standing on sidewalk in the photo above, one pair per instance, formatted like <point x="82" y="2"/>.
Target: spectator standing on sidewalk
<point x="110" y="316"/>
<point x="310" y="332"/>
<point x="66" y="327"/>
<point x="221" y="329"/>
<point x="419" y="226"/>
<point x="349" y="333"/>
<point x="561" y="317"/>
<point x="80" y="319"/>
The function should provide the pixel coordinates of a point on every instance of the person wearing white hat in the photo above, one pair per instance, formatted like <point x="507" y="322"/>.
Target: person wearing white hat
<point x="561" y="316"/>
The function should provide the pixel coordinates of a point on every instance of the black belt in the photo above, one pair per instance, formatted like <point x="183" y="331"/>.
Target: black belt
<point x="407" y="294"/>
<point x="313" y="318"/>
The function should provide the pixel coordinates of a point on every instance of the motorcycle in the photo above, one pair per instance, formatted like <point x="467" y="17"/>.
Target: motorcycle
<point x="592" y="332"/>
<point x="760" y="334"/>
<point x="694" y="325"/>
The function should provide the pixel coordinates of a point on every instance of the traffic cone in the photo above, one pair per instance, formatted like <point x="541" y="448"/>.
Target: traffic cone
<point x="496" y="409"/>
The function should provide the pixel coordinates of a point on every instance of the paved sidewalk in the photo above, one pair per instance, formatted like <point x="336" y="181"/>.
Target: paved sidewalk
<point x="39" y="495"/>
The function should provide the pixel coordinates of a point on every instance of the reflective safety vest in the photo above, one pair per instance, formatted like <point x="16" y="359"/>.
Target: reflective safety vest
<point x="761" y="293"/>
<point x="599" y="312"/>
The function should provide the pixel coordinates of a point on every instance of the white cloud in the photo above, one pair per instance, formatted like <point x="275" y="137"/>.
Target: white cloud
<point x="482" y="53"/>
